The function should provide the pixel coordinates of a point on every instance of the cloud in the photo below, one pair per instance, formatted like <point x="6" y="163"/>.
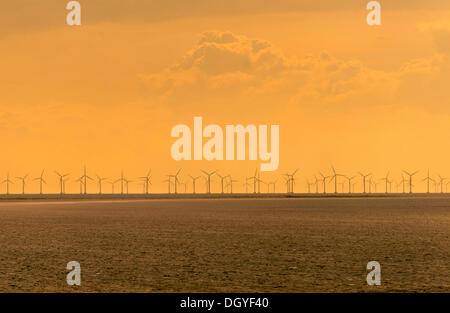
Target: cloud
<point x="241" y="70"/>
<point x="226" y="72"/>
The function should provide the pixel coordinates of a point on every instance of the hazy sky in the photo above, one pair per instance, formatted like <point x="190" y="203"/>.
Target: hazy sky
<point x="107" y="93"/>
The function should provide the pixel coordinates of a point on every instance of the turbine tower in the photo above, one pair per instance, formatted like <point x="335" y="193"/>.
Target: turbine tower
<point x="61" y="180"/>
<point x="246" y="184"/>
<point x="350" y="183"/>
<point x="308" y="184"/>
<point x="428" y="179"/>
<point x="64" y="184"/>
<point x="193" y="182"/>
<point x="7" y="181"/>
<point x="403" y="181"/>
<point x="324" y="182"/>
<point x="41" y="180"/>
<point x="222" y="179"/>
<point x="100" y="180"/>
<point x="231" y="183"/>
<point x="122" y="180"/>
<point x="80" y="180"/>
<point x="255" y="179"/>
<point x="127" y="181"/>
<point x="85" y="177"/>
<point x="375" y="184"/>
<point x="23" y="178"/>
<point x="364" y="177"/>
<point x="441" y="182"/>
<point x="146" y="180"/>
<point x="260" y="181"/>
<point x="208" y="180"/>
<point x="113" y="183"/>
<point x="316" y="182"/>
<point x="175" y="178"/>
<point x="168" y="181"/>
<point x="386" y="179"/>
<point x="184" y="184"/>
<point x="335" y="176"/>
<point x="291" y="181"/>
<point x="410" y="179"/>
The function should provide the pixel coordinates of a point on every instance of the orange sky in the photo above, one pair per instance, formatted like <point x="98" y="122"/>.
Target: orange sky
<point x="107" y="93"/>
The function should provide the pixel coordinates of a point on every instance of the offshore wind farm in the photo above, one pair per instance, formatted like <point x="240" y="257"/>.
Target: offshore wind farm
<point x="216" y="185"/>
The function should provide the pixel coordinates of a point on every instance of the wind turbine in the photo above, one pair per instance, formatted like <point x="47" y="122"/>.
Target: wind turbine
<point x="222" y="179"/>
<point x="375" y="184"/>
<point x="208" y="180"/>
<point x="255" y="179"/>
<point x="410" y="179"/>
<point x="353" y="186"/>
<point x="335" y="176"/>
<point x="175" y="178"/>
<point x="122" y="180"/>
<point x="184" y="184"/>
<point x="100" y="180"/>
<point x="193" y="182"/>
<point x="441" y="182"/>
<point x="23" y="182"/>
<point x="261" y="181"/>
<point x="287" y="183"/>
<point x="397" y="186"/>
<point x="168" y="181"/>
<point x="246" y="184"/>
<point x="309" y="185"/>
<point x="267" y="185"/>
<point x="428" y="179"/>
<point x="291" y="181"/>
<point x="127" y="181"/>
<point x="403" y="181"/>
<point x="231" y="183"/>
<point x="350" y="183"/>
<point x="80" y="180"/>
<point x="61" y="180"/>
<point x="7" y="181"/>
<point x="112" y="184"/>
<point x="146" y="181"/>
<point x="64" y="184"/>
<point x="85" y="177"/>
<point x="364" y="180"/>
<point x="324" y="181"/>
<point x="316" y="182"/>
<point x="41" y="180"/>
<point x="342" y="186"/>
<point x="386" y="179"/>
